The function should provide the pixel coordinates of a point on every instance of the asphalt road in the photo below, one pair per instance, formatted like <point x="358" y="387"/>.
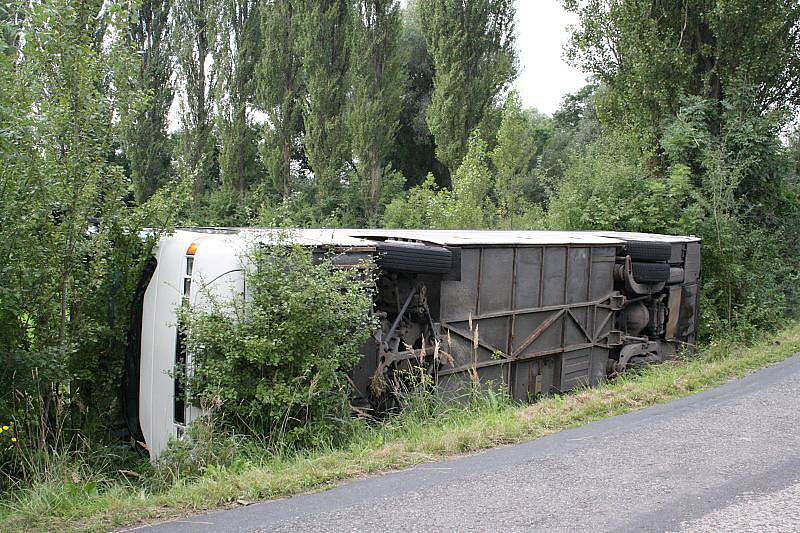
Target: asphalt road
<point x="724" y="460"/>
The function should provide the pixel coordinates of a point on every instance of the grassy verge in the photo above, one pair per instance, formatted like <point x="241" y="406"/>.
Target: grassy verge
<point x="413" y="438"/>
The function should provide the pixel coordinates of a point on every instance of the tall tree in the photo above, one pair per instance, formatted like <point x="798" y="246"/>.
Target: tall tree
<point x="512" y="156"/>
<point x="471" y="206"/>
<point x="377" y="89"/>
<point x="326" y="61"/>
<point x="235" y="60"/>
<point x="472" y="45"/>
<point x="59" y="189"/>
<point x="415" y="150"/>
<point x="145" y="138"/>
<point x="194" y="37"/>
<point x="573" y="126"/>
<point x="279" y="87"/>
<point x="650" y="54"/>
<point x="695" y="94"/>
<point x="23" y="197"/>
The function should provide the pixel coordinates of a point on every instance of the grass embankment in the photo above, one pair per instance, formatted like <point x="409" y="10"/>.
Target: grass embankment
<point x="407" y="440"/>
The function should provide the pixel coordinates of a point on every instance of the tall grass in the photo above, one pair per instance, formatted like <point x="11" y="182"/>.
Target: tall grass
<point x="223" y="470"/>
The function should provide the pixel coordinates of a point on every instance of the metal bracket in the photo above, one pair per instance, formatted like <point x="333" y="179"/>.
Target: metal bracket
<point x="617" y="302"/>
<point x="614" y="338"/>
<point x="387" y="355"/>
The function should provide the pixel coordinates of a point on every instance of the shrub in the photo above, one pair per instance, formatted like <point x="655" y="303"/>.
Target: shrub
<point x="275" y="359"/>
<point x="467" y="206"/>
<point x="726" y="185"/>
<point x="605" y="187"/>
<point x="744" y="209"/>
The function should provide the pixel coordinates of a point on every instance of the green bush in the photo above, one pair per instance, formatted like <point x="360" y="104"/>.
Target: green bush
<point x="724" y="180"/>
<point x="275" y="360"/>
<point x="743" y="207"/>
<point x="203" y="446"/>
<point x="605" y="187"/>
<point x="467" y="206"/>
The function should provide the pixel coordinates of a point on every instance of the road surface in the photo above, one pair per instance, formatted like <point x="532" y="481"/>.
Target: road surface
<point x="723" y="460"/>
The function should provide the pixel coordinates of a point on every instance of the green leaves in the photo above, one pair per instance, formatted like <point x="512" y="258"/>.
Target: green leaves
<point x="326" y="29"/>
<point x="467" y="206"/>
<point x="144" y="121"/>
<point x="70" y="245"/>
<point x="472" y="46"/>
<point x="513" y="156"/>
<point x="692" y="100"/>
<point x="279" y="88"/>
<point x="603" y="188"/>
<point x="277" y="358"/>
<point x="472" y="184"/>
<point x="378" y="82"/>
<point x="651" y="55"/>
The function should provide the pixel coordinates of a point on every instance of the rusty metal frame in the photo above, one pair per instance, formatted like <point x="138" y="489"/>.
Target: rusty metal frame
<point x="562" y="311"/>
<point x="588" y="328"/>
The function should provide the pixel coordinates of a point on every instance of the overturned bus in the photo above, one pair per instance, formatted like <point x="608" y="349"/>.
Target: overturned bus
<point x="533" y="312"/>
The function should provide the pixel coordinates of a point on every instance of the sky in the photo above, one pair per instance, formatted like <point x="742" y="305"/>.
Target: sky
<point x="545" y="77"/>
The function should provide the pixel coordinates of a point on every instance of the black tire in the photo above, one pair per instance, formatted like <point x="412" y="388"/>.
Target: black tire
<point x="650" y="272"/>
<point x="414" y="258"/>
<point x="652" y="252"/>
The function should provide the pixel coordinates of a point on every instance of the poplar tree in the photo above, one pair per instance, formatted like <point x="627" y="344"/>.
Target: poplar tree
<point x="415" y="151"/>
<point x="472" y="45"/>
<point x="326" y="60"/>
<point x="145" y="136"/>
<point x="278" y="89"/>
<point x="378" y="83"/>
<point x="512" y="157"/>
<point x="235" y="58"/>
<point x="193" y="39"/>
